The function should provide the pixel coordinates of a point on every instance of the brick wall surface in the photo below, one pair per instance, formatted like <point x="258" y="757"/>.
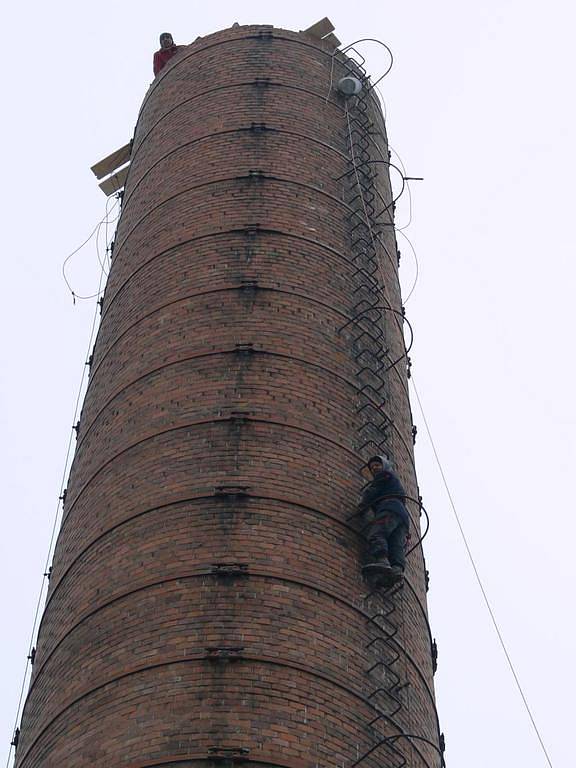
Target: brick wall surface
<point x="206" y="604"/>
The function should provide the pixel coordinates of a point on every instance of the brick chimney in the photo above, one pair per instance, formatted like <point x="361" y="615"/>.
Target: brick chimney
<point x="206" y="603"/>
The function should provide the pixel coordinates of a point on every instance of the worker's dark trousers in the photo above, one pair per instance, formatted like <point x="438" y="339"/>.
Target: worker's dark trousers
<point x="387" y="538"/>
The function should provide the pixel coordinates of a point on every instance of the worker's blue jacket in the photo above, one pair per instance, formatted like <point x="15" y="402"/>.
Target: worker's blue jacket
<point x="385" y="496"/>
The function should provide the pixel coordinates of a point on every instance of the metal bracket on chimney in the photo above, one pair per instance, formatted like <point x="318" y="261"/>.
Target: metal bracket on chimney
<point x="247" y="282"/>
<point x="244" y="346"/>
<point x="240" y="416"/>
<point x="229" y="569"/>
<point x="224" y="654"/>
<point x="228" y="754"/>
<point x="231" y="490"/>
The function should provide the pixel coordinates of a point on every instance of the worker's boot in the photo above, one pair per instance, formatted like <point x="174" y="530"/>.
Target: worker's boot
<point x="381" y="574"/>
<point x="397" y="572"/>
<point x="381" y="565"/>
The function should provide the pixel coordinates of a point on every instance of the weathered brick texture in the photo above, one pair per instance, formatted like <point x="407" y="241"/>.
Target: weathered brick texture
<point x="206" y="604"/>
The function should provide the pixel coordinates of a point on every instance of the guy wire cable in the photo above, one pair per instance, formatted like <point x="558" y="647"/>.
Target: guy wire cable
<point x="477" y="575"/>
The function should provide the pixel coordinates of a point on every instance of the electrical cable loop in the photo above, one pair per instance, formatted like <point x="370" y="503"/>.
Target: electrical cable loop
<point x="371" y="40"/>
<point x="358" y="166"/>
<point x="104" y="221"/>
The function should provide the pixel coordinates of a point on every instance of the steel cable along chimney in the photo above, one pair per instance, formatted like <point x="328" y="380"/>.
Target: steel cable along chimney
<point x="206" y="603"/>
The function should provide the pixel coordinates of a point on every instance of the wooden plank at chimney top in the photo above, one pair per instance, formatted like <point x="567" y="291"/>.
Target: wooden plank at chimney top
<point x="115" y="182"/>
<point x="321" y="28"/>
<point x="113" y="161"/>
<point x="332" y="41"/>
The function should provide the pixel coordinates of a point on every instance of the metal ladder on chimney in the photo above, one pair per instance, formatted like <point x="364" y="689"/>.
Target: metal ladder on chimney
<point x="369" y="339"/>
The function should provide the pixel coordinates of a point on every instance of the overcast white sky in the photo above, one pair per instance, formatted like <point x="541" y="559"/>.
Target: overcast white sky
<point x="480" y="102"/>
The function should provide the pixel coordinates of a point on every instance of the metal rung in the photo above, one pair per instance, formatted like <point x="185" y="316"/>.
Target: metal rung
<point x="367" y="405"/>
<point x="373" y="371"/>
<point x="379" y="336"/>
<point x="367" y="255"/>
<point x="376" y="640"/>
<point x="372" y="619"/>
<point x="353" y="60"/>
<point x="363" y="389"/>
<point x="370" y="442"/>
<point x="367" y="374"/>
<point x="380" y="358"/>
<point x="390" y="714"/>
<point x="358" y="133"/>
<point x="381" y="386"/>
<point x="381" y="445"/>
<point x="369" y="425"/>
<point x="372" y="284"/>
<point x="364" y="301"/>
<point x="375" y="342"/>
<point x="380" y="690"/>
<point x="372" y="356"/>
<point x="364" y="428"/>
<point x="374" y="339"/>
<point x="363" y="121"/>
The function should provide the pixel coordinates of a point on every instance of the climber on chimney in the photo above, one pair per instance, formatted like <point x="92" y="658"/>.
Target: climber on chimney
<point x="386" y="521"/>
<point x="167" y="49"/>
